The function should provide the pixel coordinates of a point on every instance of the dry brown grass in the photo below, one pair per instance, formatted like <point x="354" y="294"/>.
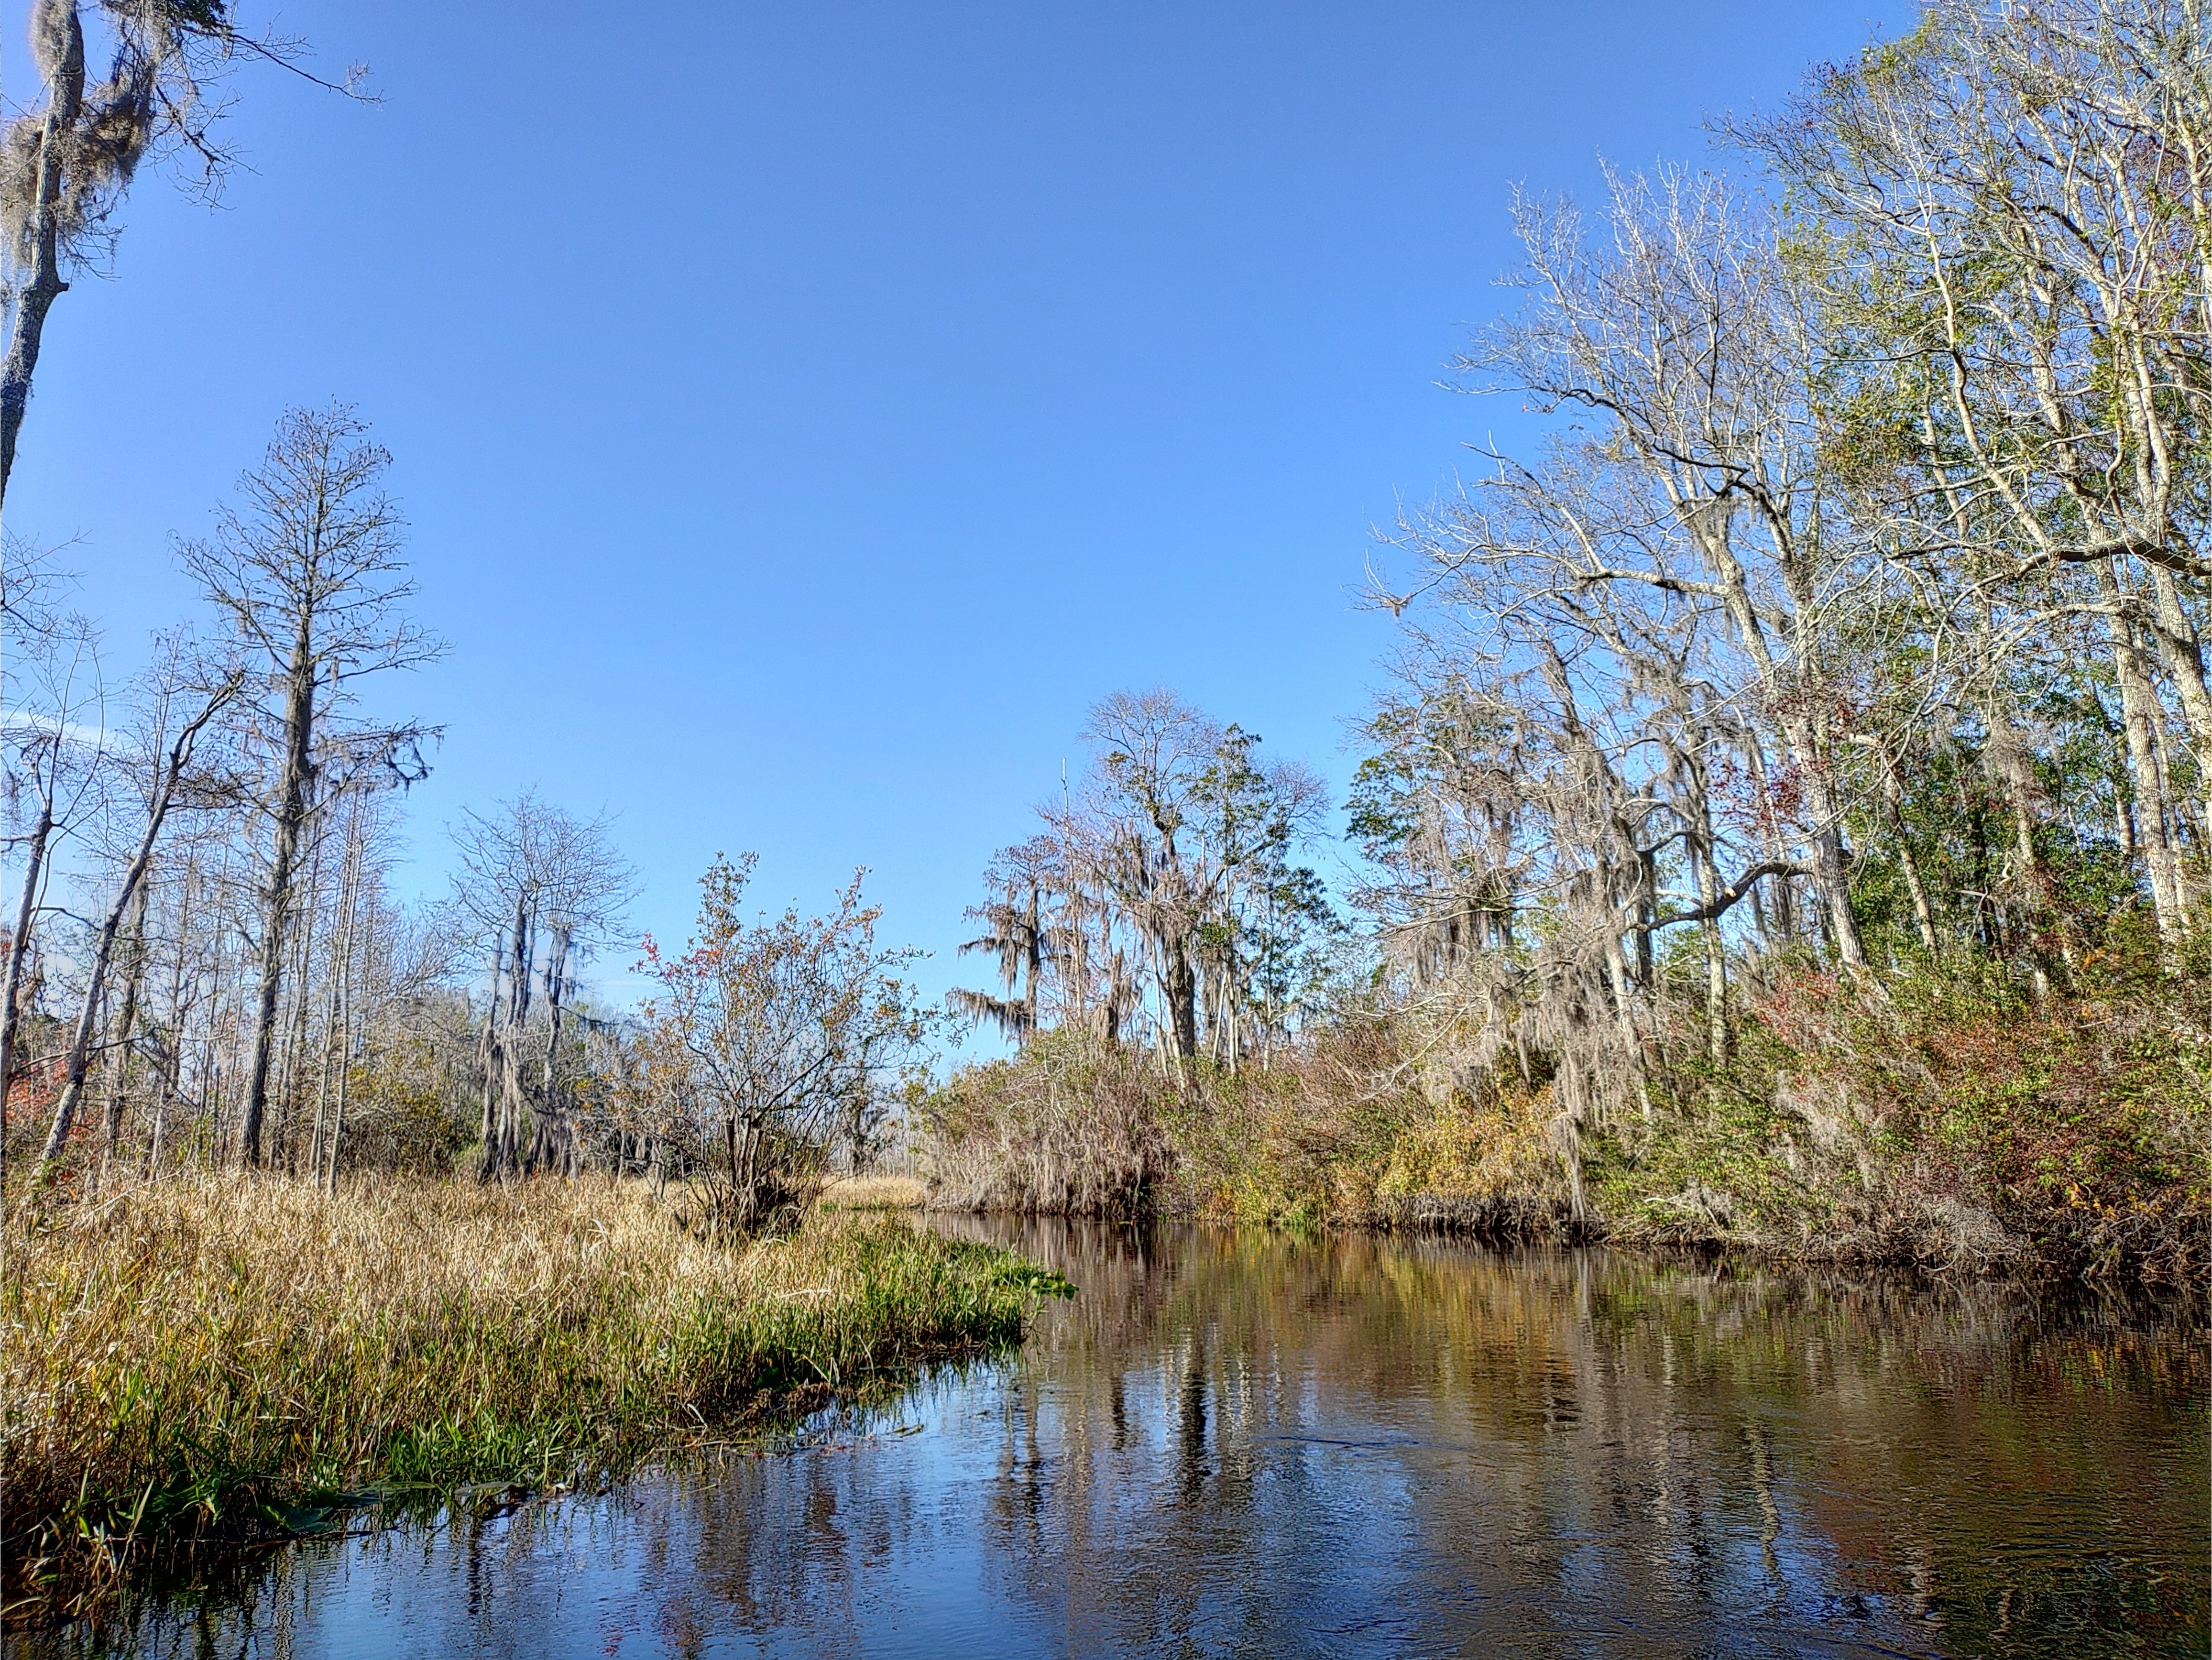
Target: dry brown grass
<point x="875" y="1192"/>
<point x="209" y="1358"/>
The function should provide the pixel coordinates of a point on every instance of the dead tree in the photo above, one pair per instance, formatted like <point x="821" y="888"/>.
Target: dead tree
<point x="546" y="888"/>
<point x="306" y="568"/>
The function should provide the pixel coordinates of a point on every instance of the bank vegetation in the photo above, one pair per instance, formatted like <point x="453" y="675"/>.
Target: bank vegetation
<point x="196" y="1364"/>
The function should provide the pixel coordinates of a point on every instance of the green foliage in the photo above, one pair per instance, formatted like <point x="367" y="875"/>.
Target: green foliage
<point x="1029" y="1277"/>
<point x="402" y="1112"/>
<point x="1947" y="1116"/>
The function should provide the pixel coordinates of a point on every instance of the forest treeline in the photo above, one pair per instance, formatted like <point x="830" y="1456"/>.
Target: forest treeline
<point x="1786" y="818"/>
<point x="208" y="967"/>
<point x="1785" y="822"/>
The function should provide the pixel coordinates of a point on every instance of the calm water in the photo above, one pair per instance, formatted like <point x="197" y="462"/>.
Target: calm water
<point x="1239" y="1443"/>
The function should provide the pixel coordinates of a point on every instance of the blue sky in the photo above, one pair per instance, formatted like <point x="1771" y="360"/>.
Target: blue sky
<point x="803" y="413"/>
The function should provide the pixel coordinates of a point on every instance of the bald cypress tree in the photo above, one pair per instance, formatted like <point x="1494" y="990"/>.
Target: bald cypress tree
<point x="308" y="570"/>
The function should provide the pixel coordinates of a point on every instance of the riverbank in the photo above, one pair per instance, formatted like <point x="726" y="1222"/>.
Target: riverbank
<point x="1950" y="1122"/>
<point x="243" y="1357"/>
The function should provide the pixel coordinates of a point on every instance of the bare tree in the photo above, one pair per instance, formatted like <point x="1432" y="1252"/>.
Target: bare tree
<point x="308" y="568"/>
<point x="1699" y="482"/>
<point x="1863" y="562"/>
<point x="183" y="701"/>
<point x="55" y="742"/>
<point x="543" y="890"/>
<point x="2013" y="211"/>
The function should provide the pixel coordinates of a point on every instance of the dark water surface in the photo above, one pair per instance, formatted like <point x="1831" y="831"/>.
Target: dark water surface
<point x="1243" y="1443"/>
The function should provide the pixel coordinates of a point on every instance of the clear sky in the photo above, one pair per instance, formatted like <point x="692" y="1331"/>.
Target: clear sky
<point x="804" y="412"/>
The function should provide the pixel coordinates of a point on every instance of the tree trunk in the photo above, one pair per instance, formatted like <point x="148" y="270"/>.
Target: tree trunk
<point x="1620" y="981"/>
<point x="554" y="1143"/>
<point x="34" y="864"/>
<point x="336" y="1017"/>
<point x="290" y="1065"/>
<point x="1647" y="910"/>
<point x="1179" y="987"/>
<point x="126" y="1020"/>
<point x="291" y="816"/>
<point x="2138" y="708"/>
<point x="172" y="1060"/>
<point x="338" y="1128"/>
<point x="330" y="1180"/>
<point x="1708" y="899"/>
<point x="2017" y="774"/>
<point x="1834" y="881"/>
<point x="505" y="1102"/>
<point x="65" y="99"/>
<point x="745" y="1141"/>
<point x="103" y="951"/>
<point x="167" y="1091"/>
<point x="2184" y="655"/>
<point x="1784" y="920"/>
<point x="487" y="1057"/>
<point x="514" y="1100"/>
<point x="1923" y="913"/>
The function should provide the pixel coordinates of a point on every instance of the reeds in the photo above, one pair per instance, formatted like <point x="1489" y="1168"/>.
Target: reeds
<point x="213" y="1358"/>
<point x="875" y="1192"/>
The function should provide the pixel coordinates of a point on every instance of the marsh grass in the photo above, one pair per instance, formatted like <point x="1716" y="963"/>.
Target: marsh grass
<point x="241" y="1358"/>
<point x="875" y="1192"/>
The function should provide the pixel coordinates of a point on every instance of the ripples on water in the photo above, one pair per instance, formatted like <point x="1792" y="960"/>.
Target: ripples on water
<point x="1238" y="1442"/>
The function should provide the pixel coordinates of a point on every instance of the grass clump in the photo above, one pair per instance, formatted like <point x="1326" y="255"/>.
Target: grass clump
<point x="219" y="1359"/>
<point x="874" y="1193"/>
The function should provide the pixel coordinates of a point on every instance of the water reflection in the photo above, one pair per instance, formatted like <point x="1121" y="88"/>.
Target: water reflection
<point x="1236" y="1443"/>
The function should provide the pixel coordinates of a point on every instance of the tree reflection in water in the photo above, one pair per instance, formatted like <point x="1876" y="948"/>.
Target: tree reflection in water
<point x="1246" y="1443"/>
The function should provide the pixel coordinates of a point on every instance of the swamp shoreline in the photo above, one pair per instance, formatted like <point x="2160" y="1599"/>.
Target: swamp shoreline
<point x="195" y="1367"/>
<point x="1245" y="1440"/>
<point x="173" y="1397"/>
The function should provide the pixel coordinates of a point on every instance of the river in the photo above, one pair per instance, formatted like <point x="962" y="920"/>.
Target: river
<point x="1240" y="1443"/>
